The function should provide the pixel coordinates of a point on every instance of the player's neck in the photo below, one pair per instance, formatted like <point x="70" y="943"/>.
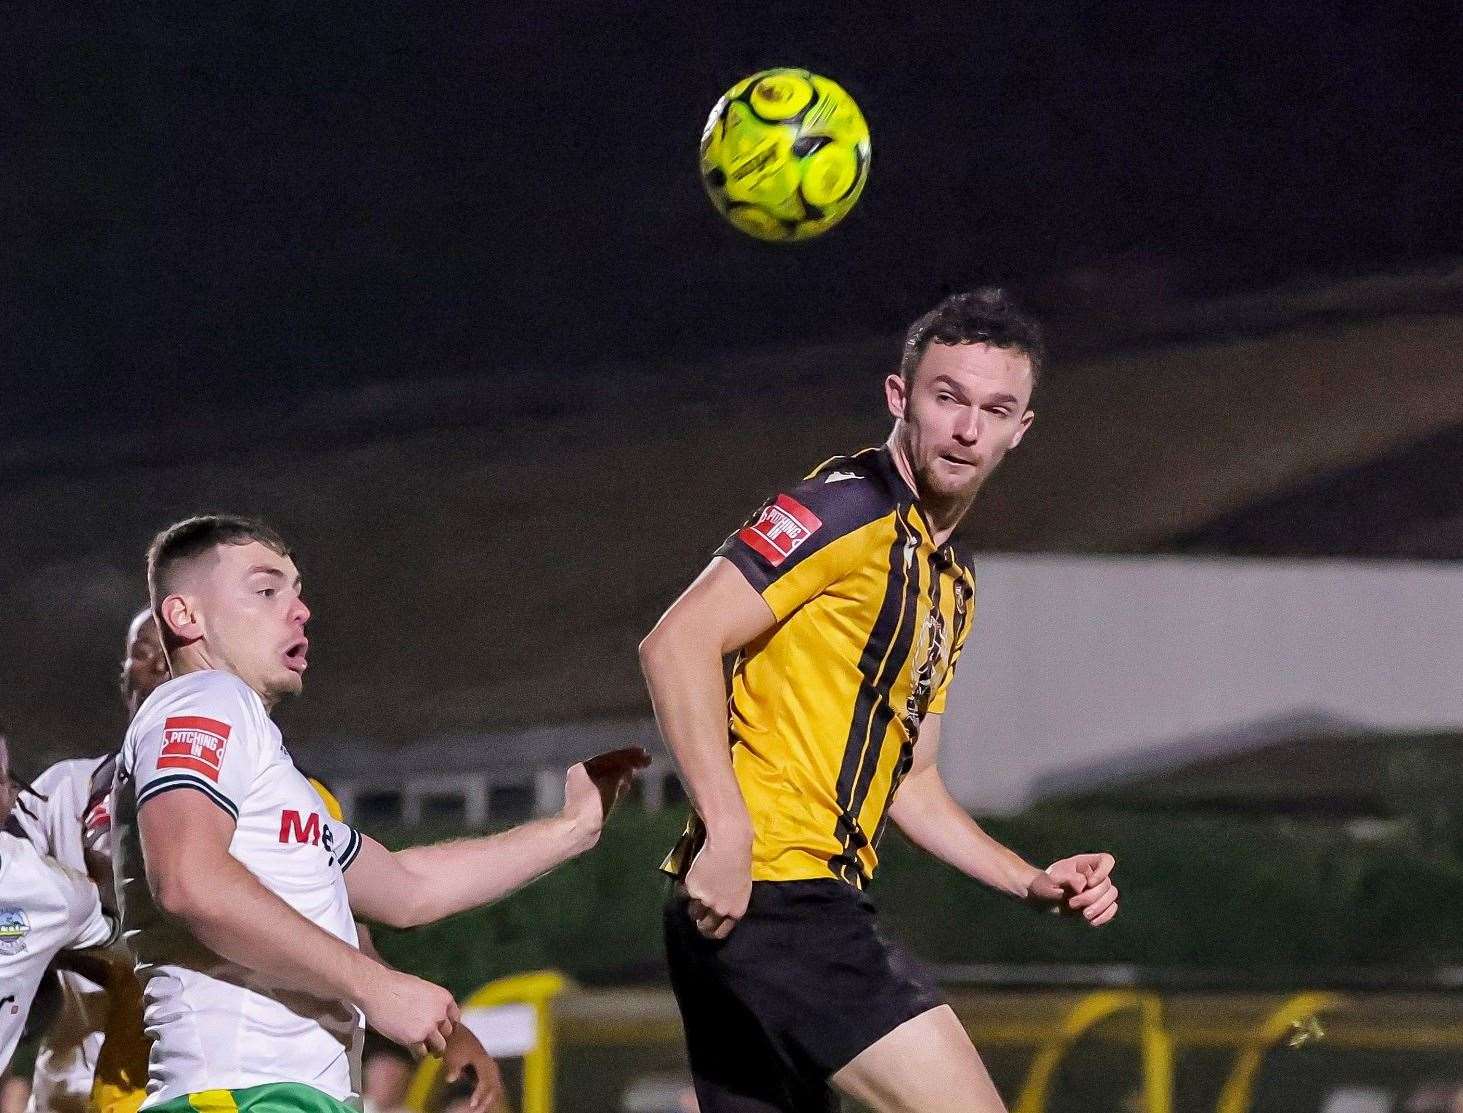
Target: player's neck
<point x="197" y="658"/>
<point x="941" y="515"/>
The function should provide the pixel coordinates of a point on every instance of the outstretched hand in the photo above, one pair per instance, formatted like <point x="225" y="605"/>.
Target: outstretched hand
<point x="1077" y="886"/>
<point x="592" y="787"/>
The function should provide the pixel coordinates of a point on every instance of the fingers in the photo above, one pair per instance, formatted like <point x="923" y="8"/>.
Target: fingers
<point x="711" y="924"/>
<point x="481" y="1093"/>
<point x="454" y="1013"/>
<point x="1100" y="909"/>
<point x="618" y="763"/>
<point x="1096" y="866"/>
<point x="1068" y="876"/>
<point x="1044" y="887"/>
<point x="485" y="1093"/>
<point x="436" y="1042"/>
<point x="1090" y="896"/>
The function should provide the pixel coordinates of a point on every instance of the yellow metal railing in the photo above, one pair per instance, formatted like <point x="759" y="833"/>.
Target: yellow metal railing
<point x="1248" y="1026"/>
<point x="1238" y="1092"/>
<point x="1156" y="1048"/>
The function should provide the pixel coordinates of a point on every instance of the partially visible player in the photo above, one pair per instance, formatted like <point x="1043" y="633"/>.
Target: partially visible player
<point x="848" y="608"/>
<point x="67" y="819"/>
<point x="237" y="892"/>
<point x="67" y="1057"/>
<point x="45" y="908"/>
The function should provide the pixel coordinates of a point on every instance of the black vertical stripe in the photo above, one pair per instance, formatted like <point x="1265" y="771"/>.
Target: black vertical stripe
<point x="885" y="710"/>
<point x="885" y="653"/>
<point x="906" y="748"/>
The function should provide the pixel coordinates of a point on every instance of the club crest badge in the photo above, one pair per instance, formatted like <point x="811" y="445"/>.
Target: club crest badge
<point x="14" y="927"/>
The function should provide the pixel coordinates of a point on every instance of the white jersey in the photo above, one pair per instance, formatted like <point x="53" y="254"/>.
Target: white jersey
<point x="54" y="824"/>
<point x="216" y="1025"/>
<point x="67" y="1059"/>
<point x="44" y="908"/>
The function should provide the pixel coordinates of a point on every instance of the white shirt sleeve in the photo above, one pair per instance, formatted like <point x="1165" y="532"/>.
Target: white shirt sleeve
<point x="204" y="736"/>
<point x="345" y="842"/>
<point x="87" y="924"/>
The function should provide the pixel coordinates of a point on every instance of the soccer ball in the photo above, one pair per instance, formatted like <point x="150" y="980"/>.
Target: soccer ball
<point x="785" y="154"/>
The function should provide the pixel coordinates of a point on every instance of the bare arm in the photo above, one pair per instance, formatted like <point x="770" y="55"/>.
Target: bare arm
<point x="931" y="819"/>
<point x="229" y="911"/>
<point x="423" y="884"/>
<point x="682" y="660"/>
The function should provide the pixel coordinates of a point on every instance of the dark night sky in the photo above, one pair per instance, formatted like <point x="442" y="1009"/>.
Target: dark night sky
<point x="274" y="198"/>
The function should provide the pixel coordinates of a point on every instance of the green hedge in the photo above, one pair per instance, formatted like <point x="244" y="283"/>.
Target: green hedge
<point x="1215" y="893"/>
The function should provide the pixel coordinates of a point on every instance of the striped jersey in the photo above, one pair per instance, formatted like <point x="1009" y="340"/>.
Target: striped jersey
<point x="214" y="1024"/>
<point x="825" y="709"/>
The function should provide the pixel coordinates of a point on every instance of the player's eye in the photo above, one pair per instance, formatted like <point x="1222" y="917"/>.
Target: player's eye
<point x="945" y="396"/>
<point x="267" y="592"/>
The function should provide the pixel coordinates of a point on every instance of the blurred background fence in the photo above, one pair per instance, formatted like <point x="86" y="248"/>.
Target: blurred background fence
<point x="1057" y="1040"/>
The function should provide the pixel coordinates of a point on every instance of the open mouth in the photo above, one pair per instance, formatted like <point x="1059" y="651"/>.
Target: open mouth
<point x="294" y="655"/>
<point x="960" y="460"/>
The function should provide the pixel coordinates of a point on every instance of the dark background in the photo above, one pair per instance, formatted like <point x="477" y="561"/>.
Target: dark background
<point x="434" y="288"/>
<point x="238" y="204"/>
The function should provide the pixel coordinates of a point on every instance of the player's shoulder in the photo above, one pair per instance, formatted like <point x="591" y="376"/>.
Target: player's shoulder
<point x="207" y="686"/>
<point x="846" y="493"/>
<point x="71" y="777"/>
<point x="208" y="694"/>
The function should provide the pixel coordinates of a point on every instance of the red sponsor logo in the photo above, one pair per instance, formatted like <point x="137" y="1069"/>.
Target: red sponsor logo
<point x="779" y="529"/>
<point x="295" y="828"/>
<point x="194" y="743"/>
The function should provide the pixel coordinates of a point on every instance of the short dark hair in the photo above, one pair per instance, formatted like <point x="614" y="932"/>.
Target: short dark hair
<point x="183" y="541"/>
<point x="983" y="316"/>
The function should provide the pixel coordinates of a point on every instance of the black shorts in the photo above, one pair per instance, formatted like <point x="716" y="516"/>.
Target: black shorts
<point x="802" y="985"/>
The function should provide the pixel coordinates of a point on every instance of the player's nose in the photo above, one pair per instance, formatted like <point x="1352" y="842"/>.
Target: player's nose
<point x="967" y="426"/>
<point x="300" y="613"/>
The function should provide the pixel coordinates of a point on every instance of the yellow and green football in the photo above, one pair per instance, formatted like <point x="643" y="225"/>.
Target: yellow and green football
<point x="785" y="154"/>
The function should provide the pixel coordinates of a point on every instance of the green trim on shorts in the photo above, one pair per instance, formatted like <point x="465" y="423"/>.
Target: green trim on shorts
<point x="272" y="1097"/>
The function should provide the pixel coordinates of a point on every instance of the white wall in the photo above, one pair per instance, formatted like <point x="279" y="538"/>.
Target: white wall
<point x="1075" y="659"/>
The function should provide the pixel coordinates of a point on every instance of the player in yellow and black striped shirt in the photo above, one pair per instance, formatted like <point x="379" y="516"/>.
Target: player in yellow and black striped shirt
<point x="848" y="610"/>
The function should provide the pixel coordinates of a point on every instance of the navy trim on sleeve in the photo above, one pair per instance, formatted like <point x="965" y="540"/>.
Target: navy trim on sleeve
<point x="183" y="780"/>
<point x="352" y="849"/>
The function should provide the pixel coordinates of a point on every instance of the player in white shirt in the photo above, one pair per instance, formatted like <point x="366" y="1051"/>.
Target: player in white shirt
<point x="237" y="890"/>
<point x="68" y="820"/>
<point x="45" y="908"/>
<point x="67" y="1057"/>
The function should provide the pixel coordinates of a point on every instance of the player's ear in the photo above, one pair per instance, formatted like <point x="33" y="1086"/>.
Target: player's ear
<point x="896" y="395"/>
<point x="179" y="620"/>
<point x="1026" y="419"/>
